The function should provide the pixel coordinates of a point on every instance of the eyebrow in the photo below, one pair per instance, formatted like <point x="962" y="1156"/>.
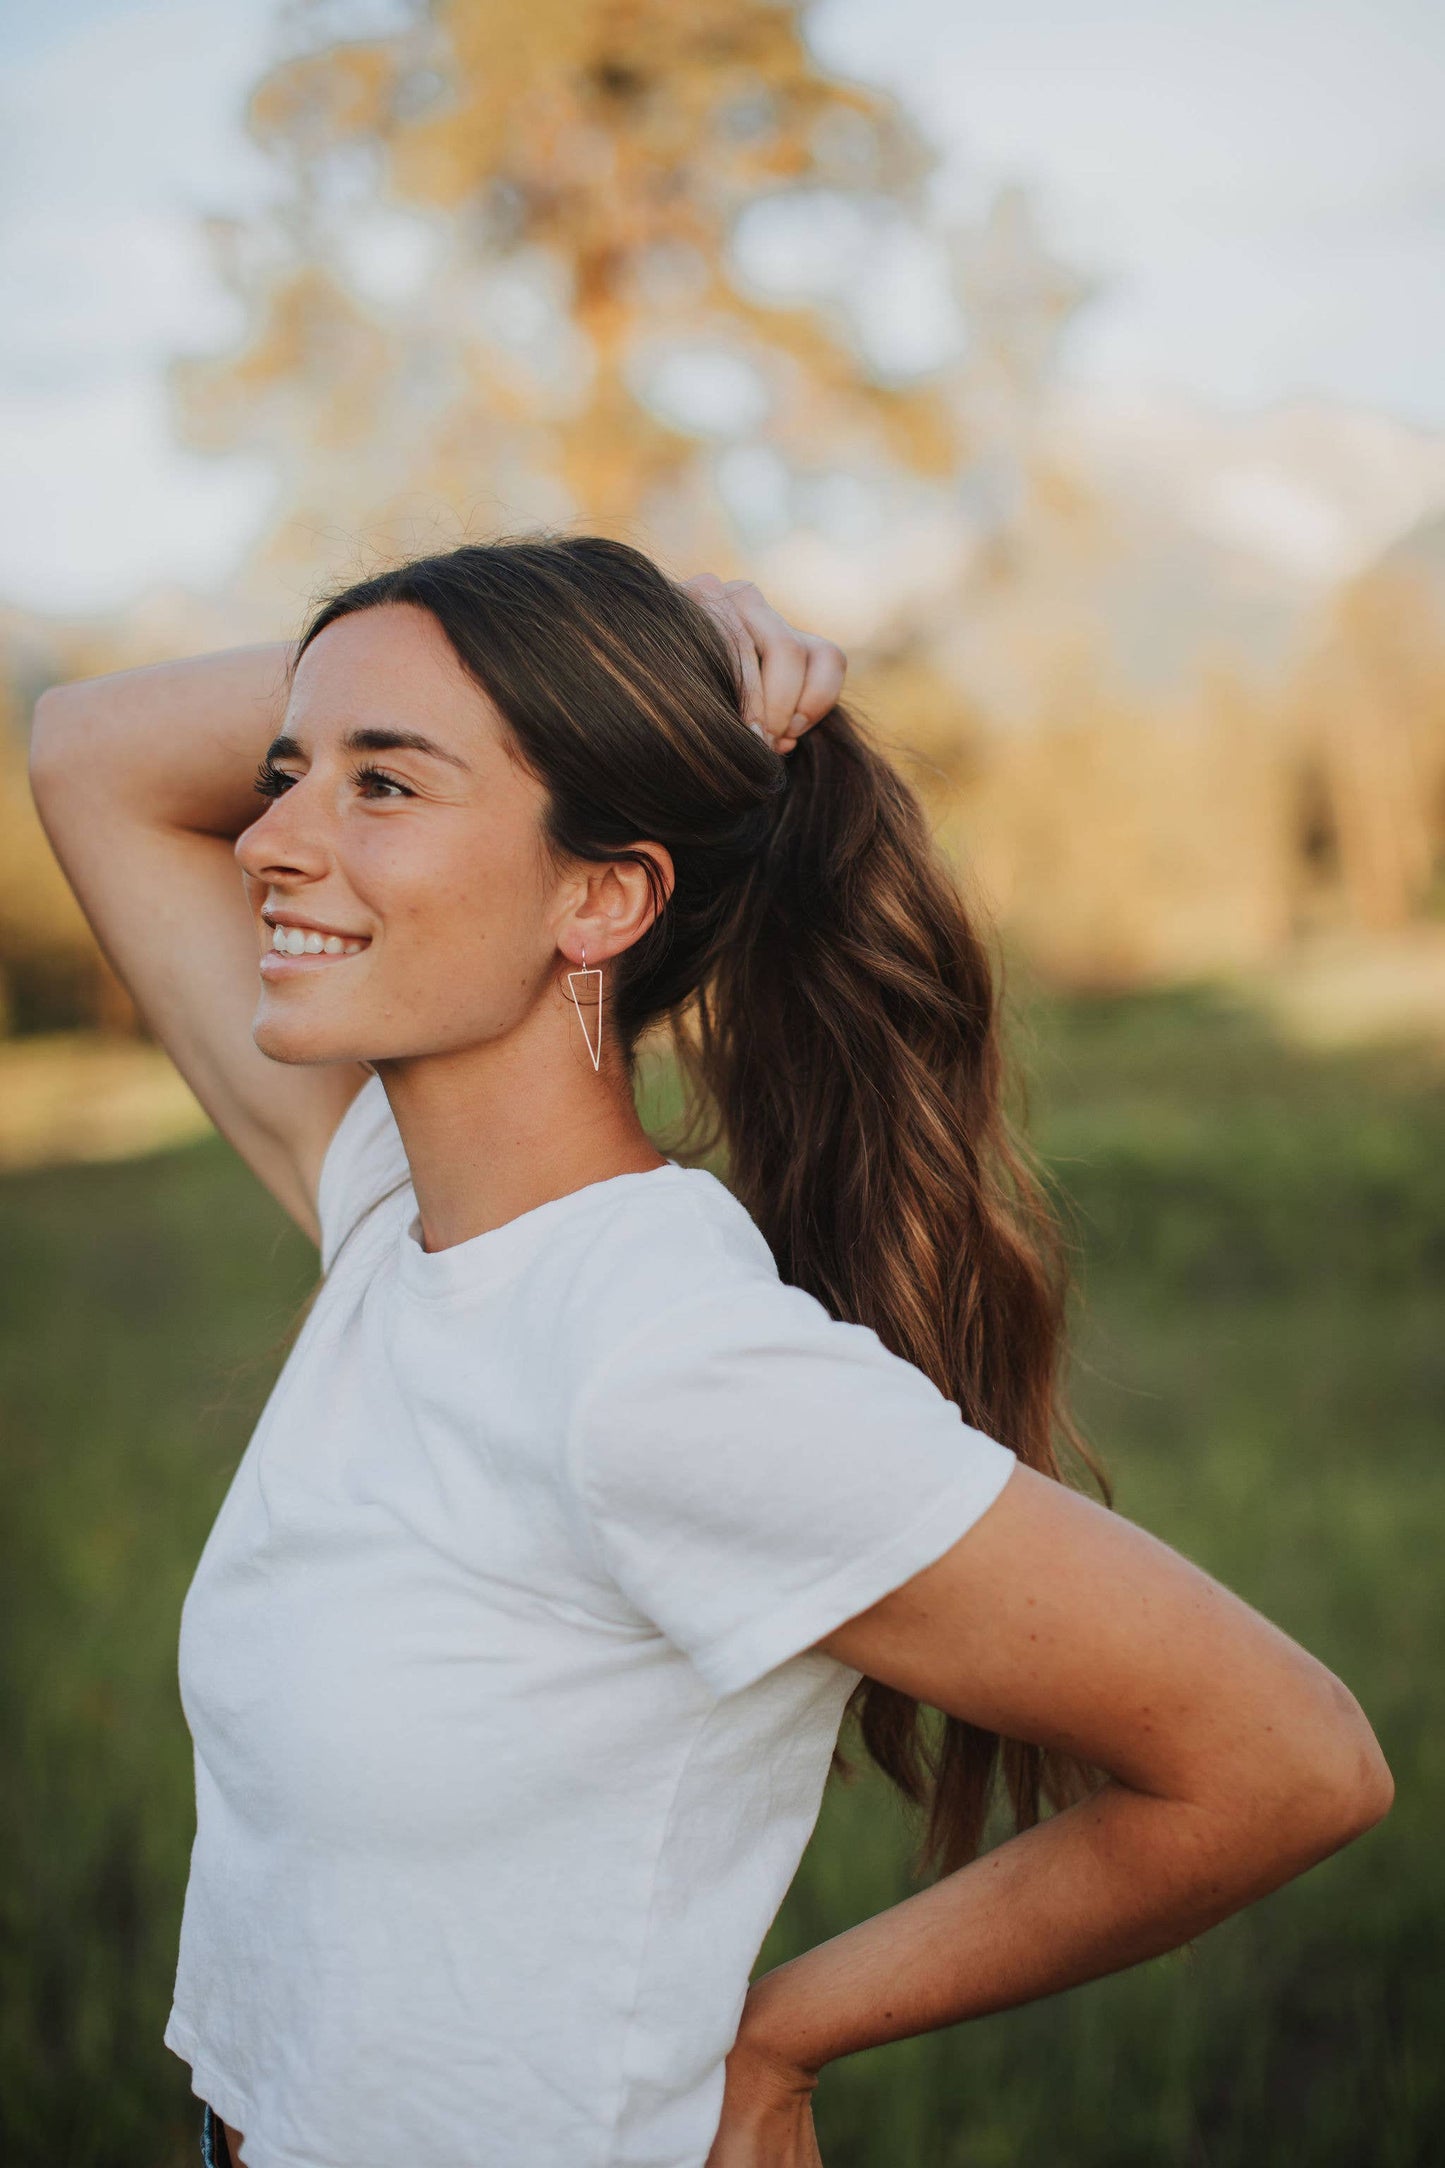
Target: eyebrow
<point x="371" y="741"/>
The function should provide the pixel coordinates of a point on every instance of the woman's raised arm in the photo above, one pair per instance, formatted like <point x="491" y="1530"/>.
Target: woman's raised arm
<point x="1235" y="1761"/>
<point x="143" y="781"/>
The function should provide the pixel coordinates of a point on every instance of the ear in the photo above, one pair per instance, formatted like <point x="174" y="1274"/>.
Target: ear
<point x="614" y="906"/>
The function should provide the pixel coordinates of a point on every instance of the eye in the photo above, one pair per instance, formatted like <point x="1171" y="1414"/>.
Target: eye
<point x="271" y="781"/>
<point x="387" y="782"/>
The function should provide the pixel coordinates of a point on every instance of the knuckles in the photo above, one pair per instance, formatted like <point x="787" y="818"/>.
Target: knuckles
<point x="777" y="641"/>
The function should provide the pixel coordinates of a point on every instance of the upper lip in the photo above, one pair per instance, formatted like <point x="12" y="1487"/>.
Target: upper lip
<point x="309" y="925"/>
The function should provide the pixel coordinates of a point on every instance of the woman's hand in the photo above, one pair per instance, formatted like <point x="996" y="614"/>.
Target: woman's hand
<point x="767" y="2113"/>
<point x="790" y="679"/>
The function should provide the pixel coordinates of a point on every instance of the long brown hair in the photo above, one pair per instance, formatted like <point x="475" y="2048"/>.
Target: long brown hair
<point x="833" y="1012"/>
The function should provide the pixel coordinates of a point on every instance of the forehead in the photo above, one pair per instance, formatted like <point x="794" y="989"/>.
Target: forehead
<point x="393" y="665"/>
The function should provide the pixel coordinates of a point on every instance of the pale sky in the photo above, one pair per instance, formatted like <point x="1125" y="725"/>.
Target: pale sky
<point x="1260" y="185"/>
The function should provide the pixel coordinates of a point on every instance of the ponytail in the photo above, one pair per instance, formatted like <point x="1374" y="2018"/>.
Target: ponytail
<point x="848" y="1037"/>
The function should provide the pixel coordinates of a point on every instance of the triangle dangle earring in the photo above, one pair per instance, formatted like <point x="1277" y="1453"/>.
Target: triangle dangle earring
<point x="584" y="973"/>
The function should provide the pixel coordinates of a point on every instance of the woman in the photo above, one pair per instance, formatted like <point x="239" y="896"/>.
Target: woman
<point x="592" y="1490"/>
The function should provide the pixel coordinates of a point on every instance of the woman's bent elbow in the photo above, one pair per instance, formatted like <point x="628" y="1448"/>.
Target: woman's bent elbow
<point x="1351" y="1785"/>
<point x="1372" y="1793"/>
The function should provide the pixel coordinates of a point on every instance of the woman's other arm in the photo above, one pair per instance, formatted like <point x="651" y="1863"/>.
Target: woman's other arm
<point x="143" y="781"/>
<point x="1236" y="1760"/>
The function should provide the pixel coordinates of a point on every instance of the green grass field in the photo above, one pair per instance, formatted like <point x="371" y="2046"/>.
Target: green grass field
<point x="1260" y="1361"/>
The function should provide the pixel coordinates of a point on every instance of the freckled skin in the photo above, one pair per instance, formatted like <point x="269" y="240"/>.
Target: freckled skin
<point x="446" y="882"/>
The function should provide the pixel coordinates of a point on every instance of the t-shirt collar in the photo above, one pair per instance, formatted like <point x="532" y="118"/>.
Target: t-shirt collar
<point x="496" y="1255"/>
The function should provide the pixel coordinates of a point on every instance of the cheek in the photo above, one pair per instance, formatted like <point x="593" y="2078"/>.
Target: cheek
<point x="448" y="898"/>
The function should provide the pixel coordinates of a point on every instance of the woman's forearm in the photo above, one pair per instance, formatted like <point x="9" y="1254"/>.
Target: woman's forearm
<point x="1116" y="1878"/>
<point x="176" y="743"/>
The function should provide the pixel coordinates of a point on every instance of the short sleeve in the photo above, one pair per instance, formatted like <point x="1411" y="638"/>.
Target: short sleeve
<point x="364" y="1162"/>
<point x="752" y="1472"/>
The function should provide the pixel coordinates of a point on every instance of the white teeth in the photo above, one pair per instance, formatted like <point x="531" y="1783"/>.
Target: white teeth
<point x="295" y="941"/>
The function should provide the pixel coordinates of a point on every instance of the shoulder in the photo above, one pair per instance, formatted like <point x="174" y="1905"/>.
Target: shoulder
<point x="670" y="1273"/>
<point x="678" y="1288"/>
<point x="669" y="1239"/>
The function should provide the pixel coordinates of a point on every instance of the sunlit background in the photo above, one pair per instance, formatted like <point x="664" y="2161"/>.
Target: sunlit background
<point x="1081" y="370"/>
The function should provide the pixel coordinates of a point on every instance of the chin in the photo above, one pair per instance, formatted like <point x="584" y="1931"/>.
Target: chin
<point x="294" y="1040"/>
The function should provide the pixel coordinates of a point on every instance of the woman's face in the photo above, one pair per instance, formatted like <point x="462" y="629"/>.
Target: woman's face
<point x="421" y="866"/>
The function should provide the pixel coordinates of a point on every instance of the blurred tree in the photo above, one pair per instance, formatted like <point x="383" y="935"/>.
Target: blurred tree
<point x="52" y="975"/>
<point x="507" y="277"/>
<point x="1368" y="706"/>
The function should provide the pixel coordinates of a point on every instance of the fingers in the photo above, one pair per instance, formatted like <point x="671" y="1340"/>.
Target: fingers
<point x="782" y="658"/>
<point x="710" y="590"/>
<point x="790" y="678"/>
<point x="821" y="689"/>
<point x="823" y="685"/>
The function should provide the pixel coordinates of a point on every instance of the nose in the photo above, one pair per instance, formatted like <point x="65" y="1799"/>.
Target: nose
<point x="287" y="840"/>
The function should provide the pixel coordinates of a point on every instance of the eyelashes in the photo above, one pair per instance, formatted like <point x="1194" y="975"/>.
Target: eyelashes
<point x="274" y="782"/>
<point x="270" y="781"/>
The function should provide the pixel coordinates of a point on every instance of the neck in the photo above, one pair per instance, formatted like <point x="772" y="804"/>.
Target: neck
<point x="491" y="1131"/>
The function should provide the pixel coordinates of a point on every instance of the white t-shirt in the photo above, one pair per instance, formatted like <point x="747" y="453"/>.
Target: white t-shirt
<point x="508" y="1731"/>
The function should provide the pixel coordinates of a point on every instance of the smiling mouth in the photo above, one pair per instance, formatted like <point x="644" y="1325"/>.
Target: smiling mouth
<point x="288" y="963"/>
<point x="298" y="941"/>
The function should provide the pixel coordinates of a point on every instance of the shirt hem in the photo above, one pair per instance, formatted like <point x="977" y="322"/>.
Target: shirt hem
<point x="211" y="2085"/>
<point x="745" y="1655"/>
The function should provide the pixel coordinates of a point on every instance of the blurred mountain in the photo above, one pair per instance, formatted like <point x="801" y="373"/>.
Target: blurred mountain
<point x="1156" y="540"/>
<point x="1318" y="488"/>
<point x="1170" y="538"/>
